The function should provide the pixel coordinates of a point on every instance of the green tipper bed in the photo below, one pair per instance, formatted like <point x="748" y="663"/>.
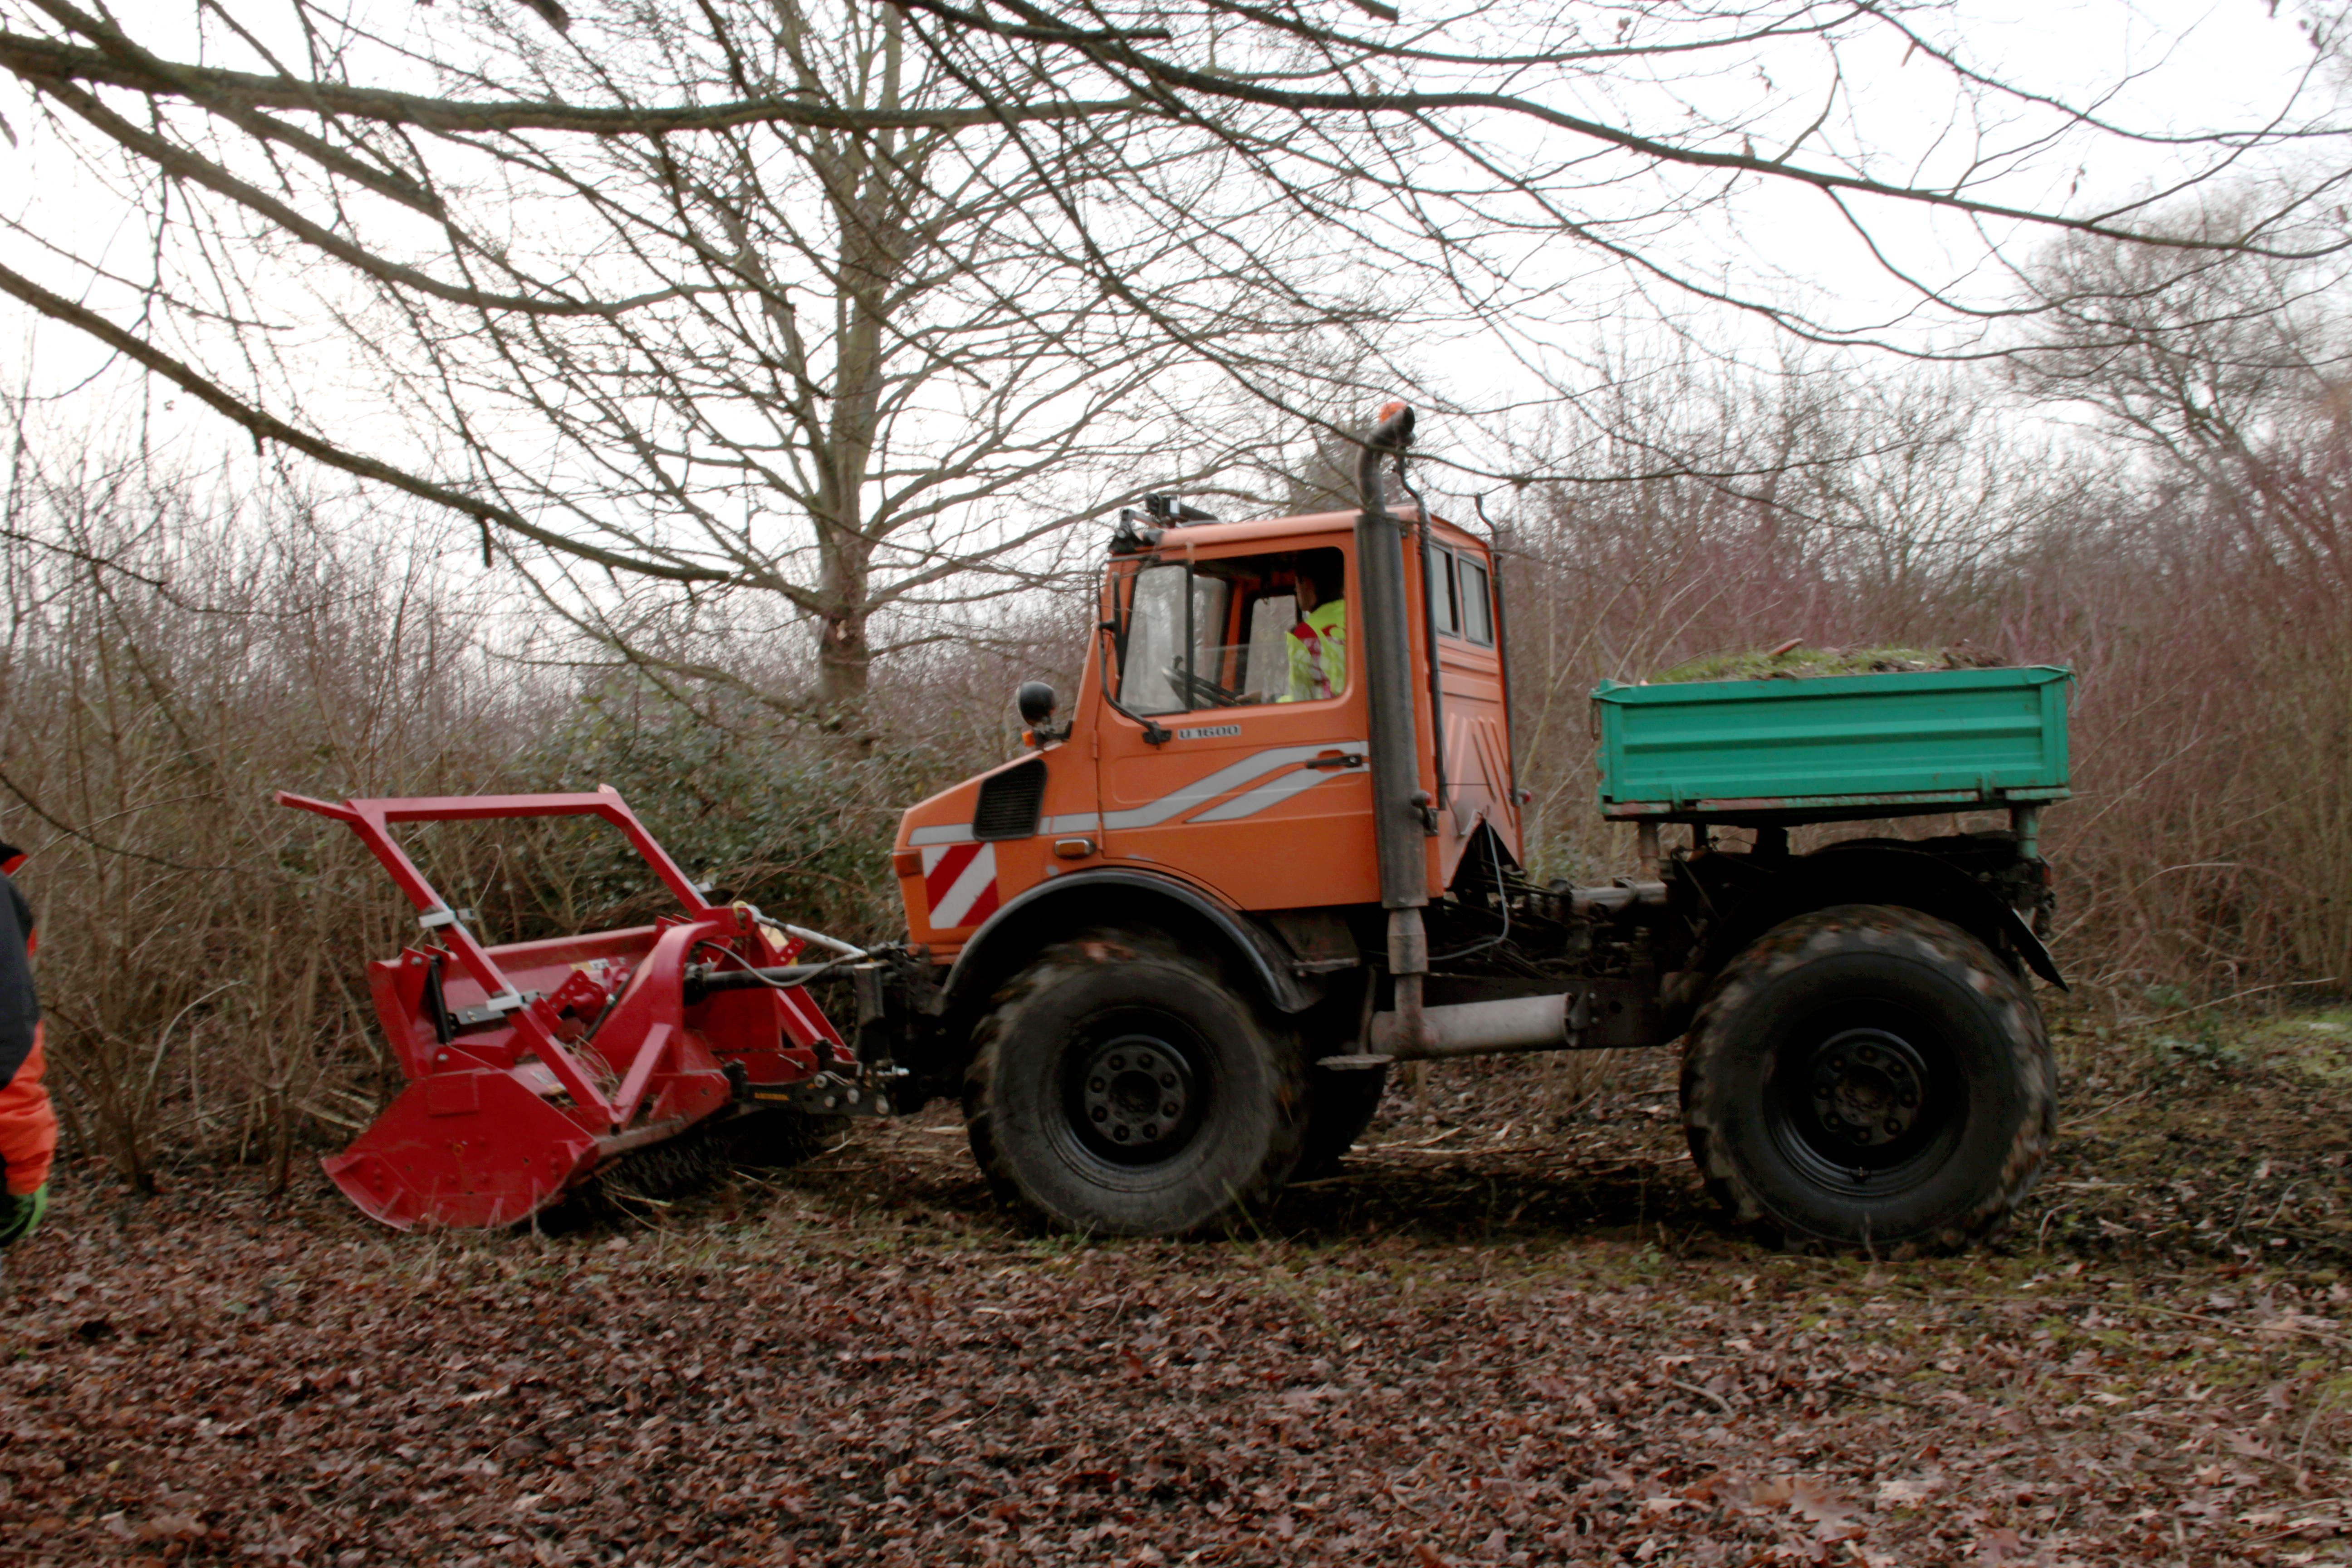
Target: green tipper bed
<point x="1836" y="747"/>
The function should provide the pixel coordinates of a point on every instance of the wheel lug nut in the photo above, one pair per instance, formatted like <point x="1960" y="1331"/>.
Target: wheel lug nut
<point x="1170" y="1110"/>
<point x="1120" y="1133"/>
<point x="1149" y="1132"/>
<point x="1117" y="1061"/>
<point x="1100" y="1114"/>
<point x="1168" y="1080"/>
<point x="1096" y="1084"/>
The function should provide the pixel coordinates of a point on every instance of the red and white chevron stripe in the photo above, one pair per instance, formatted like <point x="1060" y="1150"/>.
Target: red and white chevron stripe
<point x="960" y="883"/>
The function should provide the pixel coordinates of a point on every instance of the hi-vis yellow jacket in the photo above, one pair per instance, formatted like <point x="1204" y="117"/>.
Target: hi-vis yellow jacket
<point x="1318" y="653"/>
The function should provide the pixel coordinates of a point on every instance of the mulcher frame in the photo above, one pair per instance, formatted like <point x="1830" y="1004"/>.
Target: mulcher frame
<point x="531" y="1065"/>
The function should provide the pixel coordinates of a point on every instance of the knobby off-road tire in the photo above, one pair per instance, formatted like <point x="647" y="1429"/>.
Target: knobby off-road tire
<point x="1122" y="1086"/>
<point x="1871" y="1079"/>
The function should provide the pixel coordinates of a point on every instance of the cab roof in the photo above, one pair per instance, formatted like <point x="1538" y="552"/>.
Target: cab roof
<point x="1261" y="530"/>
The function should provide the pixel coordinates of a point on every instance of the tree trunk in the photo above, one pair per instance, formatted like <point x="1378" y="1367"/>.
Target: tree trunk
<point x="869" y="197"/>
<point x="845" y="657"/>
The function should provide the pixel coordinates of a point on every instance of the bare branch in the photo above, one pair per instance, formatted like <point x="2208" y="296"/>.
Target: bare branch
<point x="267" y="427"/>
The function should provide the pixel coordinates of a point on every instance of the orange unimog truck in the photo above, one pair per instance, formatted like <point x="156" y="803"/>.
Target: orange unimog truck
<point x="1167" y="956"/>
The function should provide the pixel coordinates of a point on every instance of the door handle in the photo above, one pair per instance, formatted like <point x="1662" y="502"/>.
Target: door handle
<point x="1339" y="760"/>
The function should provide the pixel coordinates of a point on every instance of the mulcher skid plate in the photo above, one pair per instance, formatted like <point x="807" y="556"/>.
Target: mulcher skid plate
<point x="531" y="1065"/>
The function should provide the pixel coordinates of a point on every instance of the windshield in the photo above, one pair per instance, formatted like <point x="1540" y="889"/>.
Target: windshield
<point x="1218" y="634"/>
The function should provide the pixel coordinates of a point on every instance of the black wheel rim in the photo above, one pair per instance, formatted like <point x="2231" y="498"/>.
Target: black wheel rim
<point x="1135" y="1089"/>
<point x="1865" y="1098"/>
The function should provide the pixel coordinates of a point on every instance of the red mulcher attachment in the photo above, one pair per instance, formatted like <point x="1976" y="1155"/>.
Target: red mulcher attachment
<point x="529" y="1066"/>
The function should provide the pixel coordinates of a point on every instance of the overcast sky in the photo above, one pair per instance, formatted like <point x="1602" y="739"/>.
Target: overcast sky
<point x="2180" y="67"/>
<point x="2160" y="67"/>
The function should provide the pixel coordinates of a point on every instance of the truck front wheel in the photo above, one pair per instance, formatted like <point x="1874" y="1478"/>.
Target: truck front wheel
<point x="1871" y="1079"/>
<point x="1121" y="1087"/>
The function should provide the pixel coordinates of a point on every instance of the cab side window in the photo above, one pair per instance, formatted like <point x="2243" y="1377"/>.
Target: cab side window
<point x="1477" y="606"/>
<point x="1445" y="597"/>
<point x="1460" y="601"/>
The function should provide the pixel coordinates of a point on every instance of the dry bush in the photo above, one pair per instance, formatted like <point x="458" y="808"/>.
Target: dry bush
<point x="948" y="699"/>
<point x="756" y="790"/>
<point x="171" y="657"/>
<point x="2208" y="625"/>
<point x="2212" y="629"/>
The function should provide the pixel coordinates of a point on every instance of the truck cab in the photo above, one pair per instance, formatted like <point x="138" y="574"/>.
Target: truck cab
<point x="1219" y="736"/>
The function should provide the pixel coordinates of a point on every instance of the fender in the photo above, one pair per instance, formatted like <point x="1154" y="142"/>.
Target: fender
<point x="1124" y="895"/>
<point x="1880" y="874"/>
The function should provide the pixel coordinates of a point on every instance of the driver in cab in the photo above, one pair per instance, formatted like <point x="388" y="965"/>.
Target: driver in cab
<point x="1318" y="639"/>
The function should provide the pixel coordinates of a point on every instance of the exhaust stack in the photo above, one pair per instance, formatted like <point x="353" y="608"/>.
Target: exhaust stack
<point x="1401" y="811"/>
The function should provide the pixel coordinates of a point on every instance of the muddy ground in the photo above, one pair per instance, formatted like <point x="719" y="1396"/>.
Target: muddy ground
<point x="1510" y="1330"/>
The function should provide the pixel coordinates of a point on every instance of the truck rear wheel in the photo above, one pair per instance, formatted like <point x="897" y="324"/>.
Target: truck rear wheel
<point x="1121" y="1087"/>
<point x="1871" y="1079"/>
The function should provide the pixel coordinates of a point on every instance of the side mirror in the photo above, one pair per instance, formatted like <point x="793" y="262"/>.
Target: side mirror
<point x="1036" y="701"/>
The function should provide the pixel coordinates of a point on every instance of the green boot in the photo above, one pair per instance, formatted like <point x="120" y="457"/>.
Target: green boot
<point x="20" y="1214"/>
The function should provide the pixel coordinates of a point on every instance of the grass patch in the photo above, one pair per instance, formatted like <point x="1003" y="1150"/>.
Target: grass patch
<point x="2319" y="1043"/>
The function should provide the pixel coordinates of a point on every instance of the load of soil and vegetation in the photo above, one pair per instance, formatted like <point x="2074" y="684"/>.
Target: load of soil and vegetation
<point x="1797" y="661"/>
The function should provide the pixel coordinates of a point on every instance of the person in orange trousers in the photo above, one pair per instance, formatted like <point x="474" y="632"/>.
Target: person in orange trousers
<point x="28" y="1124"/>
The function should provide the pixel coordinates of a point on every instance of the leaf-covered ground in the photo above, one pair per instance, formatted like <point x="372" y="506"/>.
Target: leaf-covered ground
<point x="1506" y="1331"/>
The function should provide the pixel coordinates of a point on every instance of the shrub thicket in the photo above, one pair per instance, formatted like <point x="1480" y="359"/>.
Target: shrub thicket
<point x="172" y="656"/>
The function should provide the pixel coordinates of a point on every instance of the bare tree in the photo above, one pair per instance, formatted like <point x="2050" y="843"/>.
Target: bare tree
<point x="2230" y="373"/>
<point x="2192" y="355"/>
<point x="833" y="302"/>
<point x="870" y="384"/>
<point x="836" y="360"/>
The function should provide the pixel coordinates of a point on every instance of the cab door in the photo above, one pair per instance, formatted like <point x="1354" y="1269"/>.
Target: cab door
<point x="1477" y="787"/>
<point x="1212" y="771"/>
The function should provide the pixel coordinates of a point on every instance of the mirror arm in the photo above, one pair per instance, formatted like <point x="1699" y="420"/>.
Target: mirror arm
<point x="1153" y="735"/>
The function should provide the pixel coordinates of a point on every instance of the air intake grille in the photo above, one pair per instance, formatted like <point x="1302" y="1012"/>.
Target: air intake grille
<point x="1009" y="802"/>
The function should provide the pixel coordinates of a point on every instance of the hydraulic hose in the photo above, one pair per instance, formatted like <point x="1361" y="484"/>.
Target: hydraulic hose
<point x="702" y="980"/>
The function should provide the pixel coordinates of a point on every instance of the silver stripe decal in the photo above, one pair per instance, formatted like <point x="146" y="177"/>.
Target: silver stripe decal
<point x="1179" y="800"/>
<point x="1272" y="792"/>
<point x="1233" y="776"/>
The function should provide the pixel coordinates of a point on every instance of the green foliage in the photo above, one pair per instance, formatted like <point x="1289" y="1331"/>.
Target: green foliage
<point x="2206" y="1048"/>
<point x="741" y="796"/>
<point x="2206" y="1044"/>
